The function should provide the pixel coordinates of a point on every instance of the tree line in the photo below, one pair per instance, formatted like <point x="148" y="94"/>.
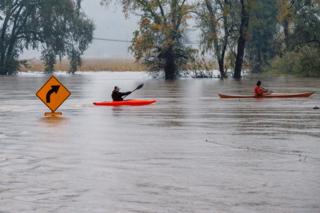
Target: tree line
<point x="260" y="35"/>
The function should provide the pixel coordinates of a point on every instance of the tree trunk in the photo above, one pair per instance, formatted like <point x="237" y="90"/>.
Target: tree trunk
<point x="286" y="32"/>
<point x="8" y="62"/>
<point x="2" y="45"/>
<point x="218" y="51"/>
<point x="221" y="68"/>
<point x="242" y="40"/>
<point x="1" y="61"/>
<point x="8" y="58"/>
<point x="170" y="68"/>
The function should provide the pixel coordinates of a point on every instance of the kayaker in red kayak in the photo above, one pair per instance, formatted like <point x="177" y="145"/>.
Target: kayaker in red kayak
<point x="117" y="95"/>
<point x="259" y="91"/>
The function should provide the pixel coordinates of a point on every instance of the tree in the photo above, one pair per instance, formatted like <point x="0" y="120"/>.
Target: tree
<point x="216" y="24"/>
<point x="285" y="18"/>
<point x="299" y="21"/>
<point x="52" y="24"/>
<point x="243" y="36"/>
<point x="304" y="61"/>
<point x="159" y="40"/>
<point x="262" y="34"/>
<point x="74" y="36"/>
<point x="302" y="38"/>
<point x="306" y="23"/>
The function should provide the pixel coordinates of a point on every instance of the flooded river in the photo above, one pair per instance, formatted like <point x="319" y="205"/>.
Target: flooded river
<point x="189" y="152"/>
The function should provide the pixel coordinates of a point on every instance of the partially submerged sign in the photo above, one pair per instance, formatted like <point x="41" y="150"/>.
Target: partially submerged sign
<point x="53" y="93"/>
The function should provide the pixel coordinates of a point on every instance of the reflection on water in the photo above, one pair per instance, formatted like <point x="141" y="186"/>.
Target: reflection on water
<point x="54" y="121"/>
<point x="189" y="152"/>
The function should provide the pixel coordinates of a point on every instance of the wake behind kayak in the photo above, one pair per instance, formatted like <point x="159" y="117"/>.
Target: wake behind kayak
<point x="132" y="102"/>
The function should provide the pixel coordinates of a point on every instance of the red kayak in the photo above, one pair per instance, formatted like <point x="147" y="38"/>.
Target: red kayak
<point x="272" y="95"/>
<point x="132" y="102"/>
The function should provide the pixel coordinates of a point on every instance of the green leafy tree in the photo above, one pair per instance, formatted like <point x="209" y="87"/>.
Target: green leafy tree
<point x="299" y="21"/>
<point x="159" y="41"/>
<point x="306" y="23"/>
<point x="262" y="34"/>
<point x="71" y="36"/>
<point x="300" y="54"/>
<point x="52" y="25"/>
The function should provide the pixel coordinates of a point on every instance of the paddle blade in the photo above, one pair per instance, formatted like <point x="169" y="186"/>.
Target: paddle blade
<point x="139" y="87"/>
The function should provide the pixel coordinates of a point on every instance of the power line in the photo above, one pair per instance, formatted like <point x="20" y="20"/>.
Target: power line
<point x="127" y="41"/>
<point x="111" y="40"/>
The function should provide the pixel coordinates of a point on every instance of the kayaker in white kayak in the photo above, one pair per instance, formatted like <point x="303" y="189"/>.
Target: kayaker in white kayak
<point x="117" y="95"/>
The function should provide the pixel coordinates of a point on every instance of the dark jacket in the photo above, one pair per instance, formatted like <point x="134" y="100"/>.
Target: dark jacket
<point x="118" y="96"/>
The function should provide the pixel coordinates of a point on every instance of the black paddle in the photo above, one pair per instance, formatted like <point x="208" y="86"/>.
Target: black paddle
<point x="138" y="87"/>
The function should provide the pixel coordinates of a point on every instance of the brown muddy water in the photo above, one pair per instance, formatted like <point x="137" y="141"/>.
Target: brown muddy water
<point x="190" y="152"/>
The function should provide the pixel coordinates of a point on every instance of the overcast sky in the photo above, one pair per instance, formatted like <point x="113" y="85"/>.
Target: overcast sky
<point x="110" y="23"/>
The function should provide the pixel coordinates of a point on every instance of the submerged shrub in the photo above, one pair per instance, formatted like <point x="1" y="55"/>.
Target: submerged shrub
<point x="303" y="62"/>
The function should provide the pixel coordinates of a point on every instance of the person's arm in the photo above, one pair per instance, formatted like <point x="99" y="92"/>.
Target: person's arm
<point x="264" y="89"/>
<point x="124" y="93"/>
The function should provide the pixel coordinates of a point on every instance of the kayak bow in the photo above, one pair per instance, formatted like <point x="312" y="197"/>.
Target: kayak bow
<point x="132" y="102"/>
<point x="272" y="95"/>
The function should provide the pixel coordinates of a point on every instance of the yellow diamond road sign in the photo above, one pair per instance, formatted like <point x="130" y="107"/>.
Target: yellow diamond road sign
<point x="53" y="93"/>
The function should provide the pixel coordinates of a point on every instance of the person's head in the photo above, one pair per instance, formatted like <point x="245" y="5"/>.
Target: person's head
<point x="259" y="83"/>
<point x="116" y="88"/>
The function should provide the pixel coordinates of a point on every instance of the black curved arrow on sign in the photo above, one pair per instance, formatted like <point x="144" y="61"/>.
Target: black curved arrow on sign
<point x="54" y="89"/>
